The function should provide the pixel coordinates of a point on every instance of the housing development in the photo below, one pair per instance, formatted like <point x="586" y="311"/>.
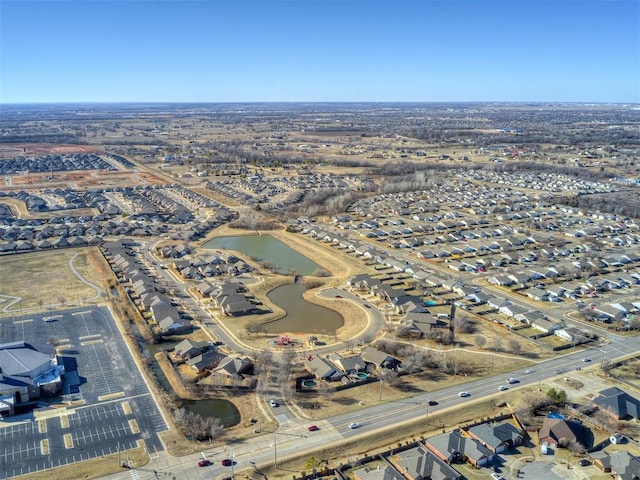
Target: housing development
<point x="337" y="291"/>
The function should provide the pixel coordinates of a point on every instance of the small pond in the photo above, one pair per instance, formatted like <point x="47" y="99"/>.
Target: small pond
<point x="302" y="316"/>
<point x="225" y="410"/>
<point x="265" y="248"/>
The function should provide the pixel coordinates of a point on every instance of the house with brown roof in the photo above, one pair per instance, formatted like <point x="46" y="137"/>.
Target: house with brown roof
<point x="560" y="432"/>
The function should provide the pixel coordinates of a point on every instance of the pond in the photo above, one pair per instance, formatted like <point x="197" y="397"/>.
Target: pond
<point x="265" y="248"/>
<point x="225" y="410"/>
<point x="302" y="316"/>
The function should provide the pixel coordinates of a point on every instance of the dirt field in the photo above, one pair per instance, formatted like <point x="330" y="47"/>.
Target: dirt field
<point x="82" y="179"/>
<point x="11" y="150"/>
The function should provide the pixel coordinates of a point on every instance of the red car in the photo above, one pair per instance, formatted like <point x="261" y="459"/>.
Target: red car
<point x="227" y="462"/>
<point x="204" y="463"/>
<point x="313" y="428"/>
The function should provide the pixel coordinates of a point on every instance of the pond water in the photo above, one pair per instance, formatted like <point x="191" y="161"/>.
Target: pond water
<point x="225" y="410"/>
<point x="302" y="316"/>
<point x="265" y="248"/>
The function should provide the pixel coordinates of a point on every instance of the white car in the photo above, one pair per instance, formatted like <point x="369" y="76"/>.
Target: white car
<point x="353" y="425"/>
<point x="512" y="380"/>
<point x="497" y="476"/>
<point x="503" y="387"/>
<point x="586" y="359"/>
<point x="273" y="403"/>
<point x="464" y="394"/>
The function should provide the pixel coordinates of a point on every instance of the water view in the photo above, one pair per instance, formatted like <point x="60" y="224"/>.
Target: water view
<point x="302" y="316"/>
<point x="265" y="248"/>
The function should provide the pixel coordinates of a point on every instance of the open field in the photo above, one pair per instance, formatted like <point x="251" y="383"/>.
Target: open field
<point x="45" y="279"/>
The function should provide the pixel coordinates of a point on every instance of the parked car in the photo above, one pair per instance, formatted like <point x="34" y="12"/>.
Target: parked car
<point x="353" y="425"/>
<point x="464" y="394"/>
<point x="273" y="403"/>
<point x="312" y="428"/>
<point x="204" y="463"/>
<point x="584" y="462"/>
<point x="497" y="476"/>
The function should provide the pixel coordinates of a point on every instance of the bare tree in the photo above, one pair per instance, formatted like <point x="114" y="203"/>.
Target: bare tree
<point x="515" y="346"/>
<point x="480" y="340"/>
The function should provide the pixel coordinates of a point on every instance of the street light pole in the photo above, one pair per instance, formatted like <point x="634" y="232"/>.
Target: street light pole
<point x="540" y="381"/>
<point x="275" y="451"/>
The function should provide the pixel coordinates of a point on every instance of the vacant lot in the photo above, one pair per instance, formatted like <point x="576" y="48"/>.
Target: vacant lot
<point x="51" y="279"/>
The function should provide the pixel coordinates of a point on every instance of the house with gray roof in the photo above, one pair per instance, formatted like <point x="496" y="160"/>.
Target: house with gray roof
<point x="621" y="464"/>
<point x="497" y="437"/>
<point x="618" y="404"/>
<point x="420" y="463"/>
<point x="350" y="364"/>
<point x="205" y="361"/>
<point x="452" y="446"/>
<point x="189" y="348"/>
<point x="386" y="473"/>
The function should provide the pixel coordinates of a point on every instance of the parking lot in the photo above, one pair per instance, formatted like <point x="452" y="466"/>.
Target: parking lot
<point x="108" y="405"/>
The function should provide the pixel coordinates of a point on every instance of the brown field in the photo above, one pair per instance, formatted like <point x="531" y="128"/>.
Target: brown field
<point x="57" y="284"/>
<point x="10" y="150"/>
<point x="81" y="179"/>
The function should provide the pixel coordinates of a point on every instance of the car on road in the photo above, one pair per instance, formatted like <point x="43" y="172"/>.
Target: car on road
<point x="584" y="462"/>
<point x="204" y="463"/>
<point x="49" y="319"/>
<point x="503" y="387"/>
<point x="227" y="462"/>
<point x="312" y="428"/>
<point x="366" y="305"/>
<point x="497" y="476"/>
<point x="528" y="371"/>
<point x="273" y="403"/>
<point x="586" y="359"/>
<point x="432" y="403"/>
<point x="464" y="394"/>
<point x="353" y="425"/>
<point x="512" y="380"/>
<point x="338" y="296"/>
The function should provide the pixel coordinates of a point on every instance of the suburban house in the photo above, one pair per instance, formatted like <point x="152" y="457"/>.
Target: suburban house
<point x="622" y="465"/>
<point x="187" y="349"/>
<point x="350" y="364"/>
<point x="419" y="463"/>
<point x="453" y="447"/>
<point x="420" y="324"/>
<point x="322" y="369"/>
<point x="205" y="361"/>
<point x="378" y="358"/>
<point x="497" y="437"/>
<point x="233" y="367"/>
<point x="558" y="430"/>
<point x="618" y="404"/>
<point x="386" y="473"/>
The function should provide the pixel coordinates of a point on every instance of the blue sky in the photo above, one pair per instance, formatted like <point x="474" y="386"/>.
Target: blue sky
<point x="319" y="50"/>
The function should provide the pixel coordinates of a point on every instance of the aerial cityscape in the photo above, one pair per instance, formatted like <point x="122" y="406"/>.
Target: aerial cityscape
<point x="320" y="240"/>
